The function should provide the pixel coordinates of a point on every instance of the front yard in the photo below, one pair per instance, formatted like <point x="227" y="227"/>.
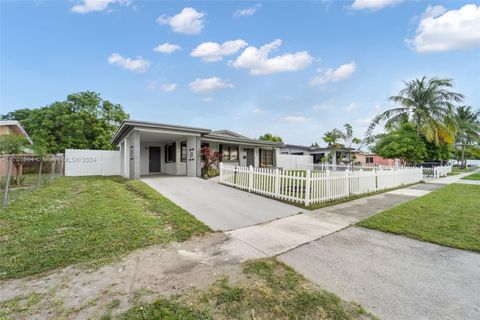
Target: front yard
<point x="88" y="220"/>
<point x="269" y="290"/>
<point x="449" y="216"/>
<point x="475" y="176"/>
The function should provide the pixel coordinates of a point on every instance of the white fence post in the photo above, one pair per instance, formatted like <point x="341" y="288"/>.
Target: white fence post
<point x="277" y="182"/>
<point x="250" y="178"/>
<point x="220" y="165"/>
<point x="307" y="188"/>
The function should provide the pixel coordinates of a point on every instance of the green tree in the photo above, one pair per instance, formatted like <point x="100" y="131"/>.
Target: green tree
<point x="270" y="137"/>
<point x="83" y="121"/>
<point x="428" y="104"/>
<point x="349" y="141"/>
<point x="402" y="143"/>
<point x="13" y="144"/>
<point x="468" y="130"/>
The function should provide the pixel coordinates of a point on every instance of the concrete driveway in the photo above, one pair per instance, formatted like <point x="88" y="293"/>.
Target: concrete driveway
<point x="392" y="276"/>
<point x="220" y="207"/>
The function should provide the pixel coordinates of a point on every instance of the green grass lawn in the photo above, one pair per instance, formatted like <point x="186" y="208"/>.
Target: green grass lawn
<point x="270" y="291"/>
<point x="449" y="216"/>
<point x="475" y="176"/>
<point x="86" y="220"/>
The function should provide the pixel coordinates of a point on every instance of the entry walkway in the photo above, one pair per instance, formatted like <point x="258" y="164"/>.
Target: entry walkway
<point x="220" y="207"/>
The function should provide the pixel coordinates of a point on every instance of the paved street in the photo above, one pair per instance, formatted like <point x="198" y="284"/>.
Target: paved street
<point x="394" y="277"/>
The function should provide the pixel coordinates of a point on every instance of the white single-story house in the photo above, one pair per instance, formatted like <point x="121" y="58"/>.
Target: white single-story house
<point x="318" y="153"/>
<point x="154" y="148"/>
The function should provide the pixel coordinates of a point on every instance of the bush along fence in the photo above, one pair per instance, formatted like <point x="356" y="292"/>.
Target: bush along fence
<point x="22" y="173"/>
<point x="310" y="187"/>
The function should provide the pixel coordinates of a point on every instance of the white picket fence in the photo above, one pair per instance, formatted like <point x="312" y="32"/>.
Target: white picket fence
<point x="441" y="171"/>
<point x="310" y="187"/>
<point x="83" y="162"/>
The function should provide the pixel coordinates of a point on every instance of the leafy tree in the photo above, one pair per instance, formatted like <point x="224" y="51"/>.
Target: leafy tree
<point x="270" y="137"/>
<point x="428" y="104"/>
<point x="332" y="138"/>
<point x="402" y="143"/>
<point x="13" y="144"/>
<point x="83" y="121"/>
<point x="468" y="130"/>
<point x="349" y="140"/>
<point x="315" y="145"/>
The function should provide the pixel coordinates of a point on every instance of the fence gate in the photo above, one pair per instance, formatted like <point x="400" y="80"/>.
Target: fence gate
<point x="82" y="162"/>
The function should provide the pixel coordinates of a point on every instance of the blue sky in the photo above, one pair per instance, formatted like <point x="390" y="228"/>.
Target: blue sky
<point x="295" y="69"/>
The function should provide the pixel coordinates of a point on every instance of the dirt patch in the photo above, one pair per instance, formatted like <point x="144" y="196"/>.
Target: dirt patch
<point x="141" y="276"/>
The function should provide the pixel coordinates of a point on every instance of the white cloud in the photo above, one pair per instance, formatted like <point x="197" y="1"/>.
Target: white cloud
<point x="137" y="65"/>
<point x="212" y="51"/>
<point x="373" y="4"/>
<point x="209" y="84"/>
<point x="168" y="87"/>
<point x="257" y="60"/>
<point x="207" y="99"/>
<point x="247" y="12"/>
<point x="325" y="105"/>
<point x="189" y="21"/>
<point x="295" y="119"/>
<point x="334" y="75"/>
<point x="351" y="107"/>
<point x="96" y="5"/>
<point x="441" y="30"/>
<point x="362" y="121"/>
<point x="257" y="110"/>
<point x="167" y="48"/>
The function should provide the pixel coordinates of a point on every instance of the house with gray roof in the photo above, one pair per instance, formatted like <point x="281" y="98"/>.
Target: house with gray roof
<point x="155" y="148"/>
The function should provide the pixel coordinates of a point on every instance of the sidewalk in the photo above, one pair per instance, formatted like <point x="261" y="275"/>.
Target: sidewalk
<point x="281" y="235"/>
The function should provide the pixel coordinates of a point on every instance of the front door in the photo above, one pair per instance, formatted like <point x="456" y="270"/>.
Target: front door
<point x="154" y="159"/>
<point x="250" y="161"/>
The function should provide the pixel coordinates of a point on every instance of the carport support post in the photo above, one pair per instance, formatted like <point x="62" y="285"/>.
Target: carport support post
<point x="307" y="188"/>
<point x="250" y="178"/>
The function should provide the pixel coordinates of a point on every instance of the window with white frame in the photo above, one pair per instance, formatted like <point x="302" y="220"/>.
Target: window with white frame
<point x="229" y="152"/>
<point x="170" y="152"/>
<point x="266" y="158"/>
<point x="183" y="151"/>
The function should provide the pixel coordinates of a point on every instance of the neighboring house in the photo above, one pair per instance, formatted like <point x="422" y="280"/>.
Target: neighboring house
<point x="9" y="127"/>
<point x="317" y="153"/>
<point x="368" y="158"/>
<point x="156" y="148"/>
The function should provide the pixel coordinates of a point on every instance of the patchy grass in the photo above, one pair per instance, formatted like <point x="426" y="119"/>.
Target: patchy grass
<point x="475" y="176"/>
<point x="351" y="198"/>
<point x="86" y="220"/>
<point x="453" y="173"/>
<point x="449" y="216"/>
<point x="270" y="290"/>
<point x="462" y="170"/>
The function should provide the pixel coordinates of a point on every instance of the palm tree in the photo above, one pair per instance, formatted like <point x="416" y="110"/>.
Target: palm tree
<point x="428" y="104"/>
<point x="468" y="129"/>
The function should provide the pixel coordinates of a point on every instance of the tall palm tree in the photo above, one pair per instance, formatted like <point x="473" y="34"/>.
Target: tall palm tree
<point x="468" y="129"/>
<point x="428" y="104"/>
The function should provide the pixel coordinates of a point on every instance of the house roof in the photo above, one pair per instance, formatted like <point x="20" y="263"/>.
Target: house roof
<point x="220" y="135"/>
<point x="315" y="149"/>
<point x="19" y="129"/>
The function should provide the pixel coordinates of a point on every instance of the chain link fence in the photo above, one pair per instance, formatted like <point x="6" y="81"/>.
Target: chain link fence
<point x="20" y="174"/>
